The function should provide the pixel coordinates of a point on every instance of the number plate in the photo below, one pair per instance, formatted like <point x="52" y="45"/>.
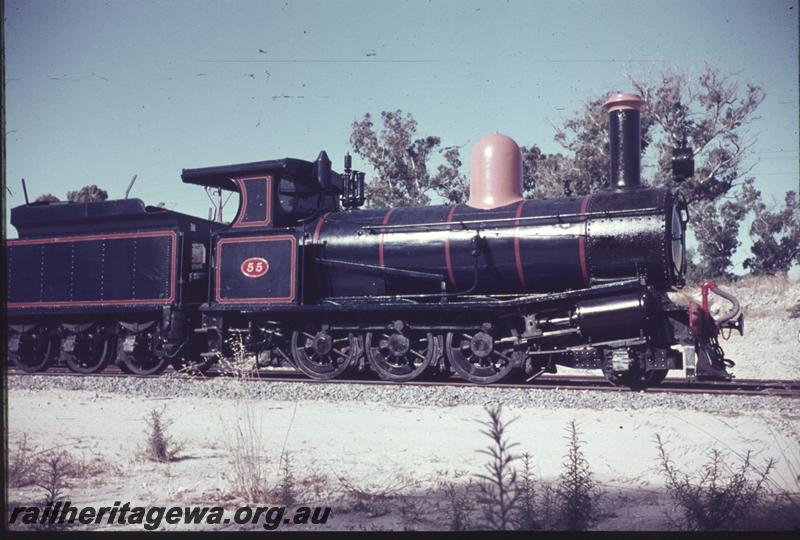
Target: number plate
<point x="255" y="267"/>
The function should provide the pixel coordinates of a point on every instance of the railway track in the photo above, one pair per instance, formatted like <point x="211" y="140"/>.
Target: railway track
<point x="752" y="387"/>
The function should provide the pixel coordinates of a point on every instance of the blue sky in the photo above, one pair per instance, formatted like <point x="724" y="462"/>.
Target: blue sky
<point x="97" y="91"/>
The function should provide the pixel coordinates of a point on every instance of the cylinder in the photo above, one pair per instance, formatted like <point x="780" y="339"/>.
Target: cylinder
<point x="624" y="140"/>
<point x="612" y="318"/>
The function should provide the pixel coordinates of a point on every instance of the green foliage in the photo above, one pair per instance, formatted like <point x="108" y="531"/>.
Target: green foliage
<point x="403" y="175"/>
<point x="498" y="492"/>
<point x="87" y="194"/>
<point x="585" y="137"/>
<point x="695" y="271"/>
<point x="47" y="197"/>
<point x="719" y="496"/>
<point x="711" y="112"/>
<point x="776" y="237"/>
<point x="576" y="494"/>
<point x="544" y="175"/>
<point x="716" y="227"/>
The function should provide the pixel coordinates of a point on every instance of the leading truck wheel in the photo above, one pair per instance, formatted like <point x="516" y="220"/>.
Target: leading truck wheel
<point x="322" y="353"/>
<point x="399" y="354"/>
<point x="636" y="380"/>
<point x="482" y="357"/>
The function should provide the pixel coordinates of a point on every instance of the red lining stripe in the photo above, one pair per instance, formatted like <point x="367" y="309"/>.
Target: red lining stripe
<point x="63" y="239"/>
<point x="380" y="240"/>
<point x="255" y="300"/>
<point x="447" y="261"/>
<point x="243" y="206"/>
<point x="582" y="240"/>
<point x="517" y="253"/>
<point x="318" y="228"/>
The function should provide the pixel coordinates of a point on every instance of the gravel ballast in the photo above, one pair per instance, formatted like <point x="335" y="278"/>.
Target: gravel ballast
<point x="402" y="394"/>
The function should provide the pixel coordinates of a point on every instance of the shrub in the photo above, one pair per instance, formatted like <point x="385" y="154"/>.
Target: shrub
<point x="159" y="445"/>
<point x="498" y="492"/>
<point x="719" y="496"/>
<point x="459" y="502"/>
<point x="286" y="489"/>
<point x="576" y="494"/>
<point x="526" y="516"/>
<point x="22" y="465"/>
<point x="53" y="479"/>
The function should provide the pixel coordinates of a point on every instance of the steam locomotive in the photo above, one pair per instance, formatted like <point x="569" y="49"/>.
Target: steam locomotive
<point x="498" y="287"/>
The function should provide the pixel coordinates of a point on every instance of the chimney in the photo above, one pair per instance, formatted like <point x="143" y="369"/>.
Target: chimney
<point x="624" y="140"/>
<point x="496" y="172"/>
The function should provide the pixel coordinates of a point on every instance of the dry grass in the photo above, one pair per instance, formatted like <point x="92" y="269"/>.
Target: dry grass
<point x="375" y="497"/>
<point x="30" y="465"/>
<point x="249" y="461"/>
<point x="23" y="463"/>
<point x="316" y="486"/>
<point x="246" y="444"/>
<point x="241" y="365"/>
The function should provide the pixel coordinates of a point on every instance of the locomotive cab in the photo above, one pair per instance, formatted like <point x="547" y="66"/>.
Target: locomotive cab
<point x="276" y="193"/>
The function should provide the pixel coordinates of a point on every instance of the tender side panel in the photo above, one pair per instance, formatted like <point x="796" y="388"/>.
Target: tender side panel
<point x="108" y="269"/>
<point x="256" y="269"/>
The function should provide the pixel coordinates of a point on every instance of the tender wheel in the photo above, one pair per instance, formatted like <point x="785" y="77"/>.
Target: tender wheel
<point x="142" y="354"/>
<point x="480" y="357"/>
<point x="93" y="353"/>
<point x="35" y="350"/>
<point x="322" y="353"/>
<point x="399" y="354"/>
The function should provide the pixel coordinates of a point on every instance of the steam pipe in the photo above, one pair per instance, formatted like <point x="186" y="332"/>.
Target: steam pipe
<point x="624" y="140"/>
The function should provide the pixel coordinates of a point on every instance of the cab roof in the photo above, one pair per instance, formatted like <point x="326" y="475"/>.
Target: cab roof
<point x="222" y="176"/>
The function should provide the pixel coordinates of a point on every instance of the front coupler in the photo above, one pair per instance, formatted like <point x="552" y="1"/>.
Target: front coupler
<point x="704" y="359"/>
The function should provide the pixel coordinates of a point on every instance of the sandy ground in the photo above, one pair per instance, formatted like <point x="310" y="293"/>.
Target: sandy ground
<point x="770" y="347"/>
<point x="374" y="445"/>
